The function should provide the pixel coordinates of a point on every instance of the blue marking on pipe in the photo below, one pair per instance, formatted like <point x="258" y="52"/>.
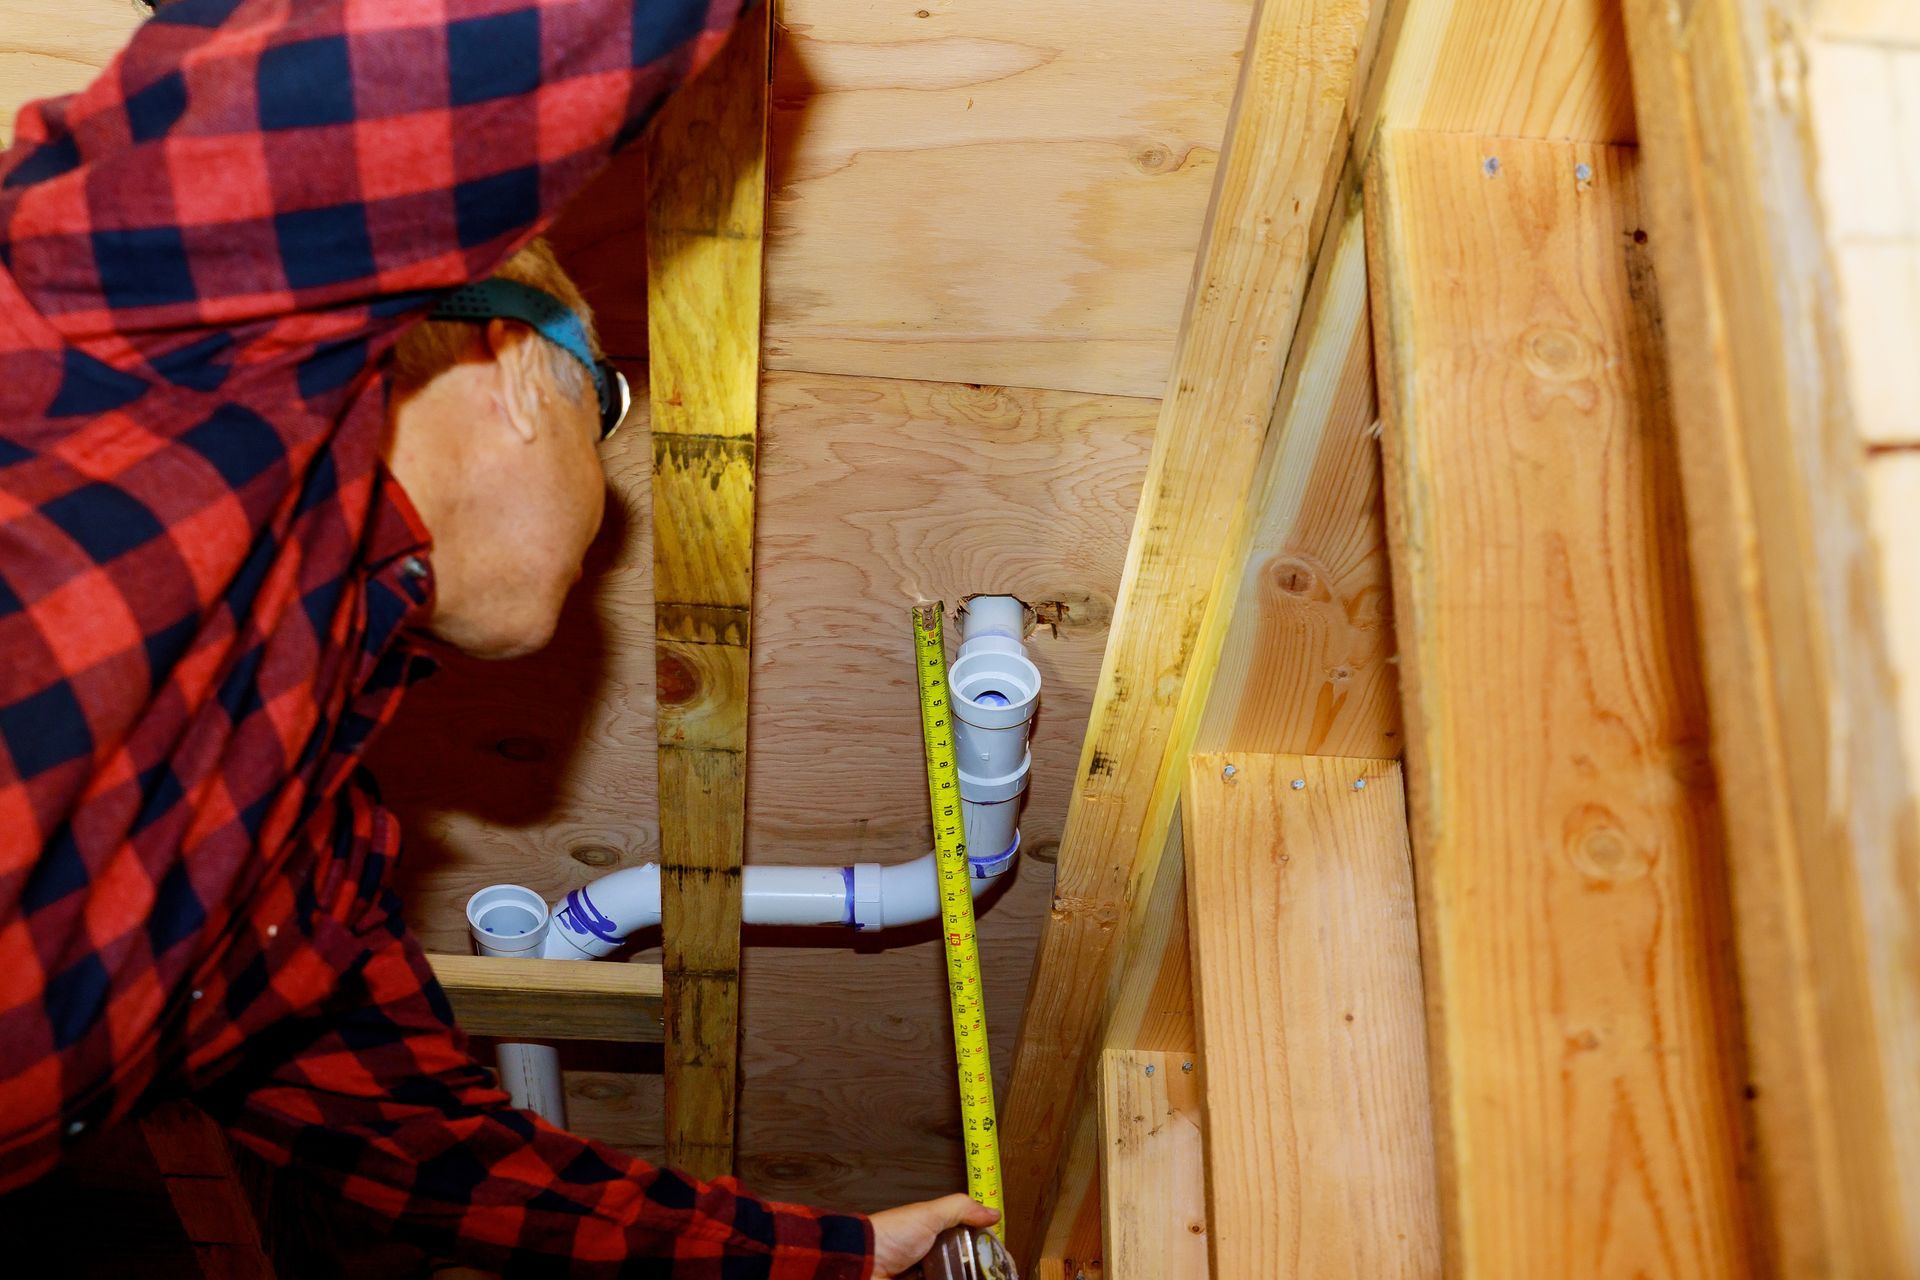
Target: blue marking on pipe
<point x="993" y="698"/>
<point x="848" y="918"/>
<point x="984" y="867"/>
<point x="581" y="916"/>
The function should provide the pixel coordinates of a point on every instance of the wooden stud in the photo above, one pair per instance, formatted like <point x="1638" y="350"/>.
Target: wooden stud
<point x="1153" y="1172"/>
<point x="1300" y="618"/>
<point x="1271" y="198"/>
<point x="705" y="230"/>
<point x="1565" y="828"/>
<point x="552" y="999"/>
<point x="1824" y="852"/>
<point x="1307" y="975"/>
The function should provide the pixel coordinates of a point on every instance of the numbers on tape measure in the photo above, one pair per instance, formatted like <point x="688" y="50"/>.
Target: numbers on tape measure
<point x="973" y="1061"/>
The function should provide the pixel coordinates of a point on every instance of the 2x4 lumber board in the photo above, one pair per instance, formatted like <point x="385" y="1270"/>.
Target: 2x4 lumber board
<point x="1306" y="664"/>
<point x="1824" y="853"/>
<point x="1302" y="619"/>
<point x="1567" y="840"/>
<point x="1285" y="135"/>
<point x="552" y="999"/>
<point x="1153" y="1166"/>
<point x="706" y="162"/>
<point x="1307" y="975"/>
<point x="1540" y="69"/>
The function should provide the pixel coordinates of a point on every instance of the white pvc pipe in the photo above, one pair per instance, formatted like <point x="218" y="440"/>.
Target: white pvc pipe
<point x="597" y="920"/>
<point x="995" y="691"/>
<point x="511" y="920"/>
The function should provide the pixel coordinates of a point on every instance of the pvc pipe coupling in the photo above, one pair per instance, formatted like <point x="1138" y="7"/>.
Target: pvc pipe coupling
<point x="996" y="690"/>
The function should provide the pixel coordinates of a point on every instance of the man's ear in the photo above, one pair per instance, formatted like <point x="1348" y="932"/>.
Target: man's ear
<point x="522" y="368"/>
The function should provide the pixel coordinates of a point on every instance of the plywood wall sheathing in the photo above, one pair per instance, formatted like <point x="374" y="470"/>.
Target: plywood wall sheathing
<point x="993" y="191"/>
<point x="1566" y="833"/>
<point x="1155" y="1183"/>
<point x="1307" y="975"/>
<point x="53" y="47"/>
<point x="1285" y="136"/>
<point x="1820" y="795"/>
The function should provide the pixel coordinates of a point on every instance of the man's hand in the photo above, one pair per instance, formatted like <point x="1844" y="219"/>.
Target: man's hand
<point x="902" y="1237"/>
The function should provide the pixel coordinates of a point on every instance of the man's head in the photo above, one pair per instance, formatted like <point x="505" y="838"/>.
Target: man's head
<point x="494" y="439"/>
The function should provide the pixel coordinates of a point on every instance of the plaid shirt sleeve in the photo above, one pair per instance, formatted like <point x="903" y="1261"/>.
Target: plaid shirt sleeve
<point x="271" y="167"/>
<point x="386" y="1106"/>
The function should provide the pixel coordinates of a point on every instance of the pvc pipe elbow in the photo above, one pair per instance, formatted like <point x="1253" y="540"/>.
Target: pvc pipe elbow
<point x="596" y="920"/>
<point x="909" y="892"/>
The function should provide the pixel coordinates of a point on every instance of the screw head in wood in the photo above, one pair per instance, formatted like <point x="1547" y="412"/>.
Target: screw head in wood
<point x="1229" y="772"/>
<point x="1491" y="167"/>
<point x="1298" y="784"/>
<point x="1583" y="172"/>
<point x="1359" y="784"/>
<point x="1149" y="1068"/>
<point x="1186" y="1066"/>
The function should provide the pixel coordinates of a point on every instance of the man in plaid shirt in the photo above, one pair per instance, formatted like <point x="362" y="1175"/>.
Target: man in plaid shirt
<point x="240" y="476"/>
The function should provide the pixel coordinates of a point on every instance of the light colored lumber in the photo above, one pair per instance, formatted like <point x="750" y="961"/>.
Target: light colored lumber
<point x="1893" y="482"/>
<point x="1300" y="617"/>
<point x="1286" y="133"/>
<point x="1565" y="830"/>
<point x="1306" y="663"/>
<point x="1864" y="102"/>
<point x="1817" y="790"/>
<point x="53" y="47"/>
<point x="1307" y="976"/>
<point x="706" y="162"/>
<point x="552" y="999"/>
<point x="1539" y="69"/>
<point x="1153" y="1171"/>
<point x="995" y="192"/>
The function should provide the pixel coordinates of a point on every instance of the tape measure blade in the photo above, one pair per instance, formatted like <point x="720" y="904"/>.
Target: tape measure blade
<point x="973" y="1060"/>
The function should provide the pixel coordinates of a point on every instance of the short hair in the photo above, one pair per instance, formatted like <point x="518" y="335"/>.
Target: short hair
<point x="431" y="347"/>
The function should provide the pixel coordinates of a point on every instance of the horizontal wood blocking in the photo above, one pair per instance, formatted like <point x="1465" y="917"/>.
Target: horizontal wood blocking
<point x="1306" y="965"/>
<point x="1153" y="1183"/>
<point x="552" y="999"/>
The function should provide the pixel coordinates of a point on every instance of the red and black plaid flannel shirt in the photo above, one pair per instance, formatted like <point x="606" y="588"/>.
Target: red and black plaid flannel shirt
<point x="206" y="581"/>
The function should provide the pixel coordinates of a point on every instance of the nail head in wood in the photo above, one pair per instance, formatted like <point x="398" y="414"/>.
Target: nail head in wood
<point x="1298" y="784"/>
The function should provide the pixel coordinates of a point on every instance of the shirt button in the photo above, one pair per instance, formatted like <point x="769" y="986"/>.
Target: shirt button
<point x="198" y="995"/>
<point x="414" y="567"/>
<point x="77" y="1128"/>
<point x="273" y="931"/>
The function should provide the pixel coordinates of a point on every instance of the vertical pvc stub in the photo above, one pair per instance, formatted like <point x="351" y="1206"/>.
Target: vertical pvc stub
<point x="507" y="920"/>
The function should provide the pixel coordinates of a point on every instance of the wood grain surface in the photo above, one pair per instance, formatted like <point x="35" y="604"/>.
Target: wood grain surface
<point x="1566" y="832"/>
<point x="1824" y="850"/>
<point x="1154" y="1210"/>
<point x="1307" y="975"/>
<point x="54" y="47"/>
<point x="993" y="191"/>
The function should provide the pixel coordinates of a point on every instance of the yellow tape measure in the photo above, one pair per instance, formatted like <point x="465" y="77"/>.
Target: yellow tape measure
<point x="979" y="1130"/>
